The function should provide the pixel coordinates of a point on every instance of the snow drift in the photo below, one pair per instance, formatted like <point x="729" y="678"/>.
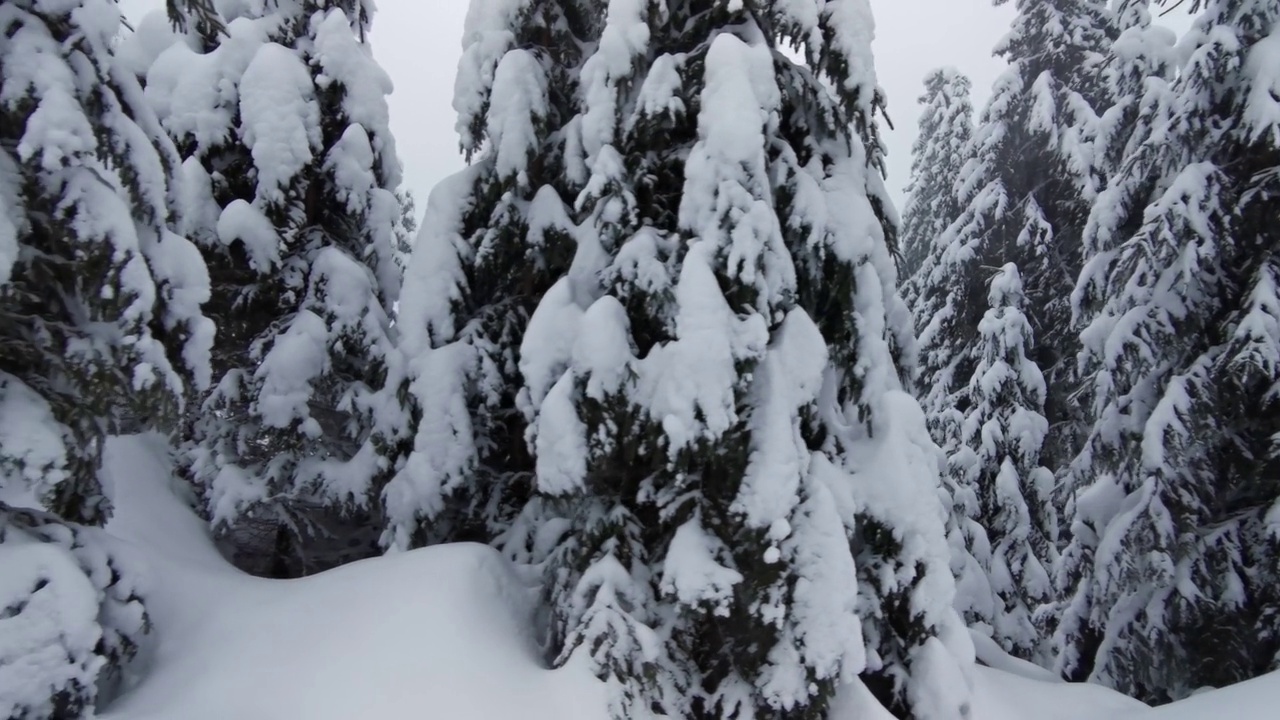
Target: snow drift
<point x="444" y="629"/>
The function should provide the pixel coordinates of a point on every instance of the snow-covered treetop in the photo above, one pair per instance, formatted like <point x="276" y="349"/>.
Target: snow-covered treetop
<point x="937" y="156"/>
<point x="489" y="32"/>
<point x="1072" y="29"/>
<point x="1006" y="287"/>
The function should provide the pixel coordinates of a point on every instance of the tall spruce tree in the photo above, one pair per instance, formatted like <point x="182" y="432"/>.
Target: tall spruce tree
<point x="933" y="203"/>
<point x="101" y="301"/>
<point x="998" y="464"/>
<point x="494" y="239"/>
<point x="288" y="184"/>
<point x="101" y="332"/>
<point x="1170" y="576"/>
<point x="655" y="345"/>
<point x="1025" y="192"/>
<point x="938" y="155"/>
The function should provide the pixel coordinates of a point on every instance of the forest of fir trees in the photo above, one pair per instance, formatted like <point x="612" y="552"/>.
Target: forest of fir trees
<point x="665" y="342"/>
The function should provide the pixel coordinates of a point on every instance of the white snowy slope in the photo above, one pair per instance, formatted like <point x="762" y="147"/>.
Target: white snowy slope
<point x="1000" y="695"/>
<point x="1257" y="699"/>
<point x="438" y="633"/>
<point x="431" y="633"/>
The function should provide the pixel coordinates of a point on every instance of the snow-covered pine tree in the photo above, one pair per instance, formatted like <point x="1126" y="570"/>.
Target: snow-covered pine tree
<point x="100" y="302"/>
<point x="494" y="240"/>
<point x="998" y="463"/>
<point x="289" y="186"/>
<point x="100" y="332"/>
<point x="937" y="156"/>
<point x="728" y="475"/>
<point x="1025" y="192"/>
<point x="1170" y="577"/>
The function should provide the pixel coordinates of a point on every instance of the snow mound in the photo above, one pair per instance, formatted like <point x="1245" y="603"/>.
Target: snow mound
<point x="999" y="695"/>
<point x="47" y="631"/>
<point x="384" y="638"/>
<point x="990" y="653"/>
<point x="1256" y="699"/>
<point x="443" y="630"/>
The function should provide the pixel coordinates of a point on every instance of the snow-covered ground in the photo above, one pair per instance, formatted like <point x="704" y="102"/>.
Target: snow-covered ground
<point x="441" y="632"/>
<point x="1257" y="699"/>
<point x="442" y="629"/>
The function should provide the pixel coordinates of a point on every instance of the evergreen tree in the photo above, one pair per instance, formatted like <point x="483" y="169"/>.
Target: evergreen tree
<point x="1170" y="577"/>
<point x="101" y="332"/>
<point x="100" y="300"/>
<point x="946" y="125"/>
<point x="938" y="157"/>
<point x="289" y="181"/>
<point x="1025" y="192"/>
<point x="493" y="241"/>
<point x="669" y="270"/>
<point x="998" y="463"/>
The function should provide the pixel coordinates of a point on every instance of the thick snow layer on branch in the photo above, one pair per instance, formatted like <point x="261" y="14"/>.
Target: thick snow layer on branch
<point x="516" y="109"/>
<point x="33" y="450"/>
<point x="241" y="222"/>
<point x="693" y="571"/>
<point x="624" y="40"/>
<point x="688" y="385"/>
<point x="788" y="379"/>
<point x="281" y="120"/>
<point x="487" y="35"/>
<point x="343" y="59"/>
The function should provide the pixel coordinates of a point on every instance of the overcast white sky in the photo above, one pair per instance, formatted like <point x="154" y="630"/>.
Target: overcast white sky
<point x="418" y="42"/>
